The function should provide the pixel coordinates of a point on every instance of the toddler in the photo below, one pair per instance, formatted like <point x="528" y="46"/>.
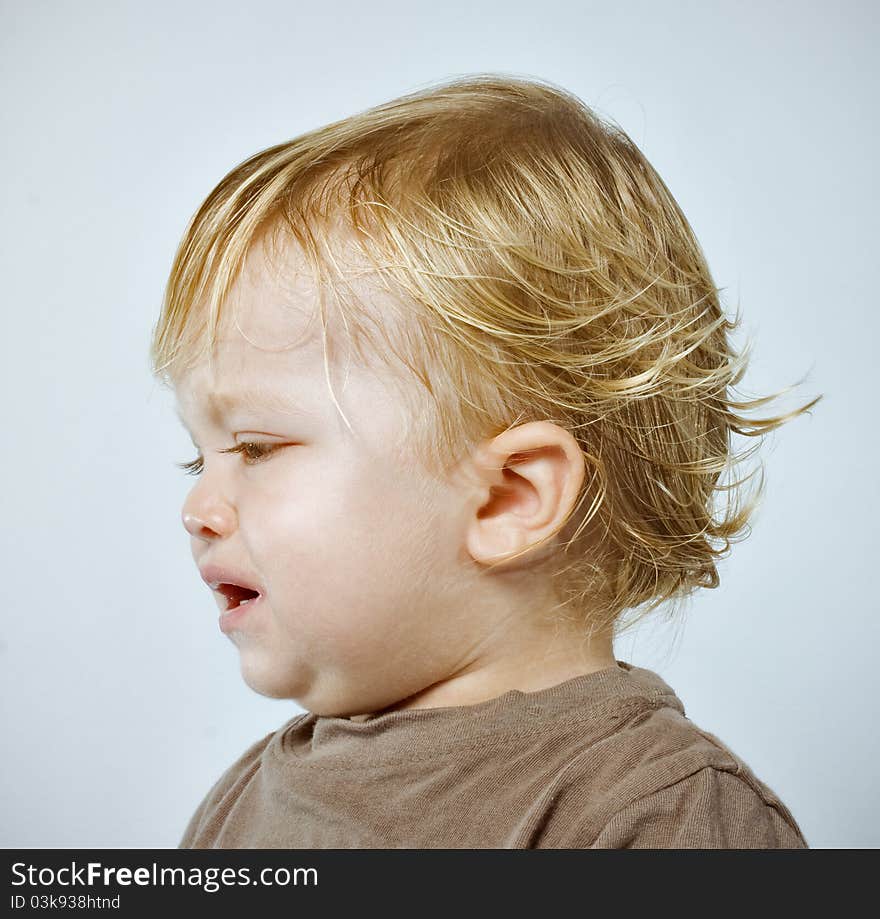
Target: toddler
<point x="460" y="387"/>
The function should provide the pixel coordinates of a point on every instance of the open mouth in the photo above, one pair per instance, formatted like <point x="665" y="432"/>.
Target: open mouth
<point x="237" y="596"/>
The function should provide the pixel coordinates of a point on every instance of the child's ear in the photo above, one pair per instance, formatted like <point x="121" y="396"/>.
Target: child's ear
<point x="528" y="480"/>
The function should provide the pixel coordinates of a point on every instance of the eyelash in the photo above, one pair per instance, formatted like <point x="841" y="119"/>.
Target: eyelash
<point x="194" y="467"/>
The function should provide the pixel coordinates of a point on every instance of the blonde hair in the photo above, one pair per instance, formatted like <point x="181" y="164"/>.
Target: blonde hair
<point x="542" y="270"/>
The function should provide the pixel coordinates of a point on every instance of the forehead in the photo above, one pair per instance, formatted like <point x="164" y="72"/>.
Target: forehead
<point x="274" y="302"/>
<point x="268" y="340"/>
<point x="271" y="349"/>
<point x="241" y="375"/>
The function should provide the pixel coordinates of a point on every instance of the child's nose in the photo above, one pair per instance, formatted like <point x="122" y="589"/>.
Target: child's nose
<point x="207" y="525"/>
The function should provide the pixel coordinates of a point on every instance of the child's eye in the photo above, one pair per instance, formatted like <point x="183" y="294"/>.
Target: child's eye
<point x="252" y="453"/>
<point x="193" y="467"/>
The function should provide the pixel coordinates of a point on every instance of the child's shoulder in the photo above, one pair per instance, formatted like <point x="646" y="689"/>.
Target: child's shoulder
<point x="652" y="778"/>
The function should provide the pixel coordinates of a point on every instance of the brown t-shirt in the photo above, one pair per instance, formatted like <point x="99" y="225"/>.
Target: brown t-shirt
<point x="604" y="760"/>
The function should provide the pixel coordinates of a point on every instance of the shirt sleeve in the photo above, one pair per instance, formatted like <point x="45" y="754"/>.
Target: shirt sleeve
<point x="207" y="820"/>
<point x="189" y="834"/>
<point x="709" y="809"/>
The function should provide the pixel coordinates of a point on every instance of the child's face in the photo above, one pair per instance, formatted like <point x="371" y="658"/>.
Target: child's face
<point x="357" y="554"/>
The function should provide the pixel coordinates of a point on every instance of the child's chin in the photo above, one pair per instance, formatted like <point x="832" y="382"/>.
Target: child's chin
<point x="266" y="683"/>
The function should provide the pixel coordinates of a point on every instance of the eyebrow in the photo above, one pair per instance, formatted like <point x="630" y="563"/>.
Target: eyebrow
<point x="249" y="398"/>
<point x="226" y="400"/>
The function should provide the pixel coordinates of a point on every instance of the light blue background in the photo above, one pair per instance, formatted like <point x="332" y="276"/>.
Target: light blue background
<point x="122" y="701"/>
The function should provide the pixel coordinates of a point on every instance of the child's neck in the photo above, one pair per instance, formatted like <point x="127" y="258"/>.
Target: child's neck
<point x="526" y="673"/>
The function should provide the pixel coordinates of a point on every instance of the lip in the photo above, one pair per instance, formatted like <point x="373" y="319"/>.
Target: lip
<point x="232" y="618"/>
<point x="214" y="575"/>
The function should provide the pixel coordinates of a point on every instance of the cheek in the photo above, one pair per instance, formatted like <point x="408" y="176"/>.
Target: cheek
<point x="369" y="546"/>
<point x="397" y="524"/>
